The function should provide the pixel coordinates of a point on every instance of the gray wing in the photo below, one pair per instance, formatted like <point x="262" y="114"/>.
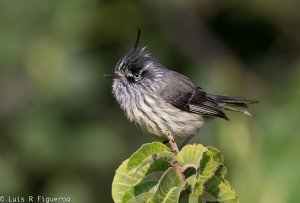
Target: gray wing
<point x="182" y="94"/>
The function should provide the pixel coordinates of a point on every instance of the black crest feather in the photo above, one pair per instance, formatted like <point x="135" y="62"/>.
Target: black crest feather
<point x="136" y="44"/>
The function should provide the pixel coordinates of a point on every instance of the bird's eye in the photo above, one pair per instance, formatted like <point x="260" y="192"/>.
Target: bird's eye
<point x="136" y="75"/>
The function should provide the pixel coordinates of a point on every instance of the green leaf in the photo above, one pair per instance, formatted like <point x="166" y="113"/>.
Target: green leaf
<point x="141" y="198"/>
<point x="196" y="186"/>
<point x="152" y="171"/>
<point x="149" y="170"/>
<point x="220" y="189"/>
<point x="145" y="197"/>
<point x="169" y="187"/>
<point x="210" y="163"/>
<point x="151" y="200"/>
<point x="217" y="154"/>
<point x="190" y="156"/>
<point x="173" y="195"/>
<point x="154" y="176"/>
<point x="141" y="191"/>
<point x="122" y="182"/>
<point x="161" y="161"/>
<point x="221" y="172"/>
<point x="191" y="198"/>
<point x="147" y="150"/>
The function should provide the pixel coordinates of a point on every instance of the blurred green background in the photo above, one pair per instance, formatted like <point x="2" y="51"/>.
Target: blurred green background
<point x="61" y="131"/>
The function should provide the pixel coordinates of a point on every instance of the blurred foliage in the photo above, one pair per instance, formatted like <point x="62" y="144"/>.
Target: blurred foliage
<point x="62" y="133"/>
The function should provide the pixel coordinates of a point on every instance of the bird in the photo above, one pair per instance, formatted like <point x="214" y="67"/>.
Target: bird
<point x="160" y="101"/>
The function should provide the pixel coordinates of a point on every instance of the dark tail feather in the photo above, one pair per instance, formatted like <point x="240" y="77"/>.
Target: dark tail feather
<point x="228" y="102"/>
<point x="233" y="101"/>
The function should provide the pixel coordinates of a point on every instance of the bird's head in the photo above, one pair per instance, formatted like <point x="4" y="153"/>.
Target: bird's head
<point x="136" y="68"/>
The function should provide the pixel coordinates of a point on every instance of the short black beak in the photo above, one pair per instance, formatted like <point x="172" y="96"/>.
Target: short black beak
<point x="110" y="75"/>
<point x="114" y="75"/>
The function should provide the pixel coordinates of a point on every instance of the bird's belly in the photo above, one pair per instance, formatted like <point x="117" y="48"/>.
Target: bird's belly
<point x="159" y="117"/>
<point x="180" y="123"/>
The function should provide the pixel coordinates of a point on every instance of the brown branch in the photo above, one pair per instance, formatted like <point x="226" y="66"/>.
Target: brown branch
<point x="176" y="165"/>
<point x="172" y="143"/>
